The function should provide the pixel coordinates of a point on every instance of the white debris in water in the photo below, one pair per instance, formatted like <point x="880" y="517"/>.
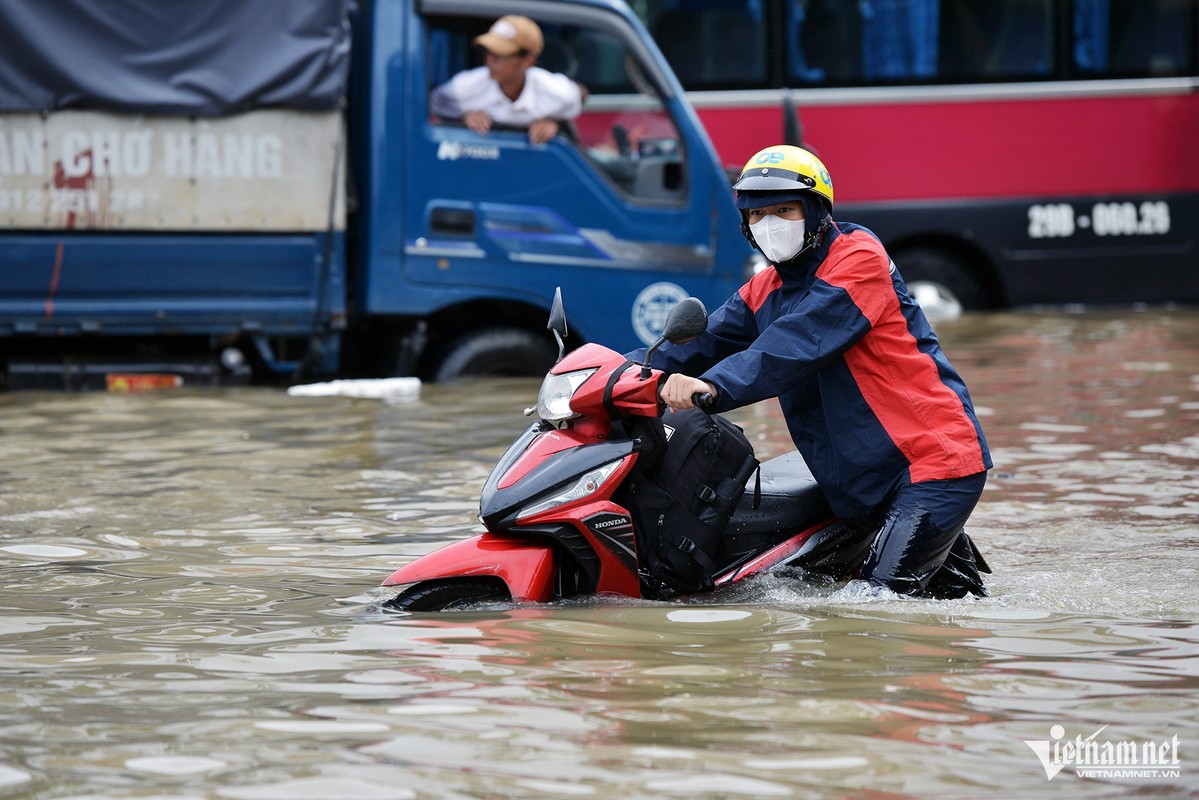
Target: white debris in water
<point x="175" y="765"/>
<point x="793" y="764"/>
<point x="44" y="551"/>
<point x="318" y="788"/>
<point x="389" y="390"/>
<point x="706" y="615"/>
<point x="311" y="726"/>
<point x="10" y="776"/>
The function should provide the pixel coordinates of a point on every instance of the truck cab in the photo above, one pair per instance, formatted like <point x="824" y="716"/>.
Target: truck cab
<point x="187" y="212"/>
<point x="465" y="236"/>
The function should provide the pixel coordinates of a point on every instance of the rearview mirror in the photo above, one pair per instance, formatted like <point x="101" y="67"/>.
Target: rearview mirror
<point x="557" y="323"/>
<point x="686" y="321"/>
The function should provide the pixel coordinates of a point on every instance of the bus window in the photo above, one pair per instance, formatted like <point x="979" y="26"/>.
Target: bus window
<point x="1134" y="38"/>
<point x="997" y="41"/>
<point x="758" y="44"/>
<point x="875" y="40"/>
<point x="899" y="40"/>
<point x="918" y="41"/>
<point x="823" y="40"/>
<point x="713" y="43"/>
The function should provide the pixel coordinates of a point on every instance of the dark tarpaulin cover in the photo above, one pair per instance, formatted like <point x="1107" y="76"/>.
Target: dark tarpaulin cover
<point x="189" y="57"/>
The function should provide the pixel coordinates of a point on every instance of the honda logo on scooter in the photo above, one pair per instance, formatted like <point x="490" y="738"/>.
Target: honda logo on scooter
<point x="610" y="523"/>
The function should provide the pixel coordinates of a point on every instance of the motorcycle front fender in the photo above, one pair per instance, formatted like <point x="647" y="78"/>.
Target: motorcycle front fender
<point x="525" y="564"/>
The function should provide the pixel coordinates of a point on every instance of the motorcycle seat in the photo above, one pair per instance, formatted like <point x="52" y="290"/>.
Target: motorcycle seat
<point x="790" y="501"/>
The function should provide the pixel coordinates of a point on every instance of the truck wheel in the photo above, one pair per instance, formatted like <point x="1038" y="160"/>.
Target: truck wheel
<point x="448" y="594"/>
<point x="940" y="283"/>
<point x="496" y="351"/>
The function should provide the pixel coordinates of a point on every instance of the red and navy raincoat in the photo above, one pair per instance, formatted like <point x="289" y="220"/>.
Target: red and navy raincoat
<point x="870" y="399"/>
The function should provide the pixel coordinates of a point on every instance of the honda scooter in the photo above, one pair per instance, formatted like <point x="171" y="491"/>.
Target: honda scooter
<point x="556" y="505"/>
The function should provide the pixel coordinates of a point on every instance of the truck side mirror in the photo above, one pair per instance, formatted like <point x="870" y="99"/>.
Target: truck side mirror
<point x="557" y="323"/>
<point x="686" y="321"/>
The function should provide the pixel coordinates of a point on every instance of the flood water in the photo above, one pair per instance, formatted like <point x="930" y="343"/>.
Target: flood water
<point x="175" y="570"/>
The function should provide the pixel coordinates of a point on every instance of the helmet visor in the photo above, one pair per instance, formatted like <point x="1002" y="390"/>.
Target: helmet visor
<point x="746" y="200"/>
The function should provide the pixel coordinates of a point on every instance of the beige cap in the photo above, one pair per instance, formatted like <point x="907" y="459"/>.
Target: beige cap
<point x="511" y="34"/>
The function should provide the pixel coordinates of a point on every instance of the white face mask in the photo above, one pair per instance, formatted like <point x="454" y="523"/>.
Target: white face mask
<point x="780" y="239"/>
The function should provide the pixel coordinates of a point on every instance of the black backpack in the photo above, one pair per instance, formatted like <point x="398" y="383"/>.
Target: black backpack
<point x="683" y="498"/>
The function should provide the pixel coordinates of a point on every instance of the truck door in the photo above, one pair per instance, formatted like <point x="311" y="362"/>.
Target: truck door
<point x="620" y="209"/>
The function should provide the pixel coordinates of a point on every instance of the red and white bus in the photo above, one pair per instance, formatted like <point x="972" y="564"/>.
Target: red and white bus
<point x="1010" y="152"/>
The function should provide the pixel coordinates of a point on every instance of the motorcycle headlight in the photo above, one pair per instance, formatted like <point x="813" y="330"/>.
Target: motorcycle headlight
<point x="588" y="484"/>
<point x="553" y="401"/>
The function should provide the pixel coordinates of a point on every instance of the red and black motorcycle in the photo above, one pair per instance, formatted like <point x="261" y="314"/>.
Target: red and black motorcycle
<point x="556" y="505"/>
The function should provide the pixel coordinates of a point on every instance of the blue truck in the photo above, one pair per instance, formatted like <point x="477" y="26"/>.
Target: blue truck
<point x="246" y="189"/>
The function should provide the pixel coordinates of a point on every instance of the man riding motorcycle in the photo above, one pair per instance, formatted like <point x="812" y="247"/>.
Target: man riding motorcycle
<point x="883" y="420"/>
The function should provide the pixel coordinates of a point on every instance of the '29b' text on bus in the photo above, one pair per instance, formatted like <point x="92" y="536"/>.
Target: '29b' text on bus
<point x="1009" y="152"/>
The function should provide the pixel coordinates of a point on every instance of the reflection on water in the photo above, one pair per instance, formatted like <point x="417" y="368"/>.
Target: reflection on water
<point x="172" y="566"/>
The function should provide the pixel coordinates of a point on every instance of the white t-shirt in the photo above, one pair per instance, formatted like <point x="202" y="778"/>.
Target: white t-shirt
<point x="546" y="94"/>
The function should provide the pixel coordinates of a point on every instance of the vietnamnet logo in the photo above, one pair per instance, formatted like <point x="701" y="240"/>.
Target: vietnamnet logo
<point x="1093" y="758"/>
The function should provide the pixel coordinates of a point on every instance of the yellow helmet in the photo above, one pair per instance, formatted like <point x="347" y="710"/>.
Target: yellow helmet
<point x="785" y="169"/>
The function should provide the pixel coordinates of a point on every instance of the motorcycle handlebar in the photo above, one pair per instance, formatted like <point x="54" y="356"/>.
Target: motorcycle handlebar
<point x="700" y="399"/>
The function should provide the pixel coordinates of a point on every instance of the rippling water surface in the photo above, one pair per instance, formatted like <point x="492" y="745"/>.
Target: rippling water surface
<point x="173" y="571"/>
